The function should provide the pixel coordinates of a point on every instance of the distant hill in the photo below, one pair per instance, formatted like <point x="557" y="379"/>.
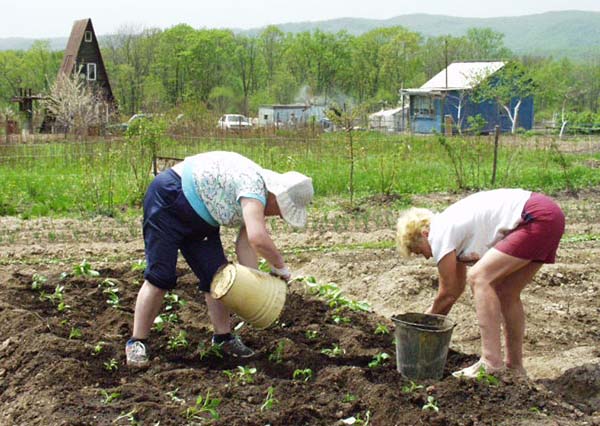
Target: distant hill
<point x="574" y="34"/>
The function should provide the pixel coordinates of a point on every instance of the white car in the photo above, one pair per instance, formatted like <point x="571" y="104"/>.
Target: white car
<point x="234" y="122"/>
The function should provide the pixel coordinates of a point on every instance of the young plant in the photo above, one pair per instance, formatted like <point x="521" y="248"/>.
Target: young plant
<point x="38" y="281"/>
<point x="203" y="405"/>
<point x="75" y="333"/>
<point x="378" y="360"/>
<point x="84" y="269"/>
<point x="206" y="351"/>
<point x="270" y="401"/>
<point x="109" y="397"/>
<point x="381" y="329"/>
<point x="178" y="342"/>
<point x="334" y="352"/>
<point x="432" y="404"/>
<point x="277" y="355"/>
<point x="304" y="375"/>
<point x="139" y="265"/>
<point x="485" y="377"/>
<point x="173" y="395"/>
<point x="173" y="300"/>
<point x="245" y="375"/>
<point x="338" y="319"/>
<point x="111" y="365"/>
<point x="349" y="398"/>
<point x="130" y="416"/>
<point x="113" y="297"/>
<point x="98" y="348"/>
<point x="411" y="387"/>
<point x="358" y="420"/>
<point x="311" y="334"/>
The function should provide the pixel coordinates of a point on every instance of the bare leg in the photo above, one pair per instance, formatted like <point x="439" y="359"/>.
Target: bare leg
<point x="493" y="267"/>
<point x="219" y="315"/>
<point x="509" y="292"/>
<point x="147" y="306"/>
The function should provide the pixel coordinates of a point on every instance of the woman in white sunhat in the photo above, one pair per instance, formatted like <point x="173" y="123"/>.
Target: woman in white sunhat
<point x="184" y="208"/>
<point x="507" y="235"/>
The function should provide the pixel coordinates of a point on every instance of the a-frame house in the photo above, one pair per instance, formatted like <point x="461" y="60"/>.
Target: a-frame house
<point x="83" y="55"/>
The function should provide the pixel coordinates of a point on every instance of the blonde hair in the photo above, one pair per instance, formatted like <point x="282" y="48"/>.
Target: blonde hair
<point x="410" y="225"/>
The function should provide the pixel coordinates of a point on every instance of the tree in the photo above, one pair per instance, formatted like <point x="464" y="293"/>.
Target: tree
<point x="75" y="105"/>
<point x="507" y="88"/>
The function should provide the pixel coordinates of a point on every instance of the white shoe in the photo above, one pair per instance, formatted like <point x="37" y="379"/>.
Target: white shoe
<point x="472" y="371"/>
<point x="136" y="354"/>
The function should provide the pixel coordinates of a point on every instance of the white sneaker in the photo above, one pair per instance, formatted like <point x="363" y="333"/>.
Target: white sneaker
<point x="472" y="371"/>
<point x="136" y="354"/>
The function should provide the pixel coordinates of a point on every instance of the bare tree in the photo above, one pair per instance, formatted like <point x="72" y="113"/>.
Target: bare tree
<point x="75" y="105"/>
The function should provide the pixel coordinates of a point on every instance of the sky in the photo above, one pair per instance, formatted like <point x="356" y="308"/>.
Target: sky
<point x="54" y="18"/>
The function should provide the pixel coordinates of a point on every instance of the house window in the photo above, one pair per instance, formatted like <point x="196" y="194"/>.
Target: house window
<point x="424" y="106"/>
<point x="91" y="72"/>
<point x="88" y="36"/>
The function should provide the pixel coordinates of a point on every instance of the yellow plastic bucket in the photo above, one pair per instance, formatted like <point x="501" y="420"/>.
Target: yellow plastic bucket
<point x="257" y="297"/>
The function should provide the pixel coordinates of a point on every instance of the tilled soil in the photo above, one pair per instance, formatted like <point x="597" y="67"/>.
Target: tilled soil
<point x="63" y="363"/>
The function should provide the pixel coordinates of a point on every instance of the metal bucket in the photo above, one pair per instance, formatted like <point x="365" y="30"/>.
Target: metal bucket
<point x="257" y="297"/>
<point x="422" y="342"/>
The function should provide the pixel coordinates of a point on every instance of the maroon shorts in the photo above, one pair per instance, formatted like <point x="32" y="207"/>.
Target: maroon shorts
<point x="537" y="236"/>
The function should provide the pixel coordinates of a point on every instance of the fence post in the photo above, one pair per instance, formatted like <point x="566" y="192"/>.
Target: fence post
<point x="495" y="162"/>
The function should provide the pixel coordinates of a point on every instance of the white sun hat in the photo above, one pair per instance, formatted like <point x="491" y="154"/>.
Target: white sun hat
<point x="293" y="192"/>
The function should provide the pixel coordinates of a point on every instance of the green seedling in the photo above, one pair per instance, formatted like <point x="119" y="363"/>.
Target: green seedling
<point x="130" y="416"/>
<point x="109" y="397"/>
<point x="432" y="404"/>
<point x="84" y="269"/>
<point x="338" y="319"/>
<point x="311" y="334"/>
<point x="245" y="375"/>
<point x="173" y="395"/>
<point x="230" y="375"/>
<point x="139" y="265"/>
<point x="204" y="405"/>
<point x="335" y="351"/>
<point x="349" y="398"/>
<point x="382" y="329"/>
<point x="358" y="420"/>
<point x="485" y="377"/>
<point x="75" y="333"/>
<point x="98" y="348"/>
<point x="111" y="365"/>
<point x="57" y="298"/>
<point x="38" y="280"/>
<point x="535" y="410"/>
<point x="178" y="342"/>
<point x="378" y="360"/>
<point x="113" y="297"/>
<point x="304" y="375"/>
<point x="277" y="355"/>
<point x="411" y="387"/>
<point x="264" y="266"/>
<point x="173" y="300"/>
<point x="206" y="351"/>
<point x="270" y="401"/>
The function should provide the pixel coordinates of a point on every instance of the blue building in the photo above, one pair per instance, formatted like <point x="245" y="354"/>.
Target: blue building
<point x="448" y="94"/>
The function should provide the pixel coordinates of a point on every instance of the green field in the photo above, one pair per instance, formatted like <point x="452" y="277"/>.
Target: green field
<point x="106" y="177"/>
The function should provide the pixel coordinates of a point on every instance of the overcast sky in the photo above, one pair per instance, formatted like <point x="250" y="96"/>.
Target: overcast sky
<point x="54" y="18"/>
